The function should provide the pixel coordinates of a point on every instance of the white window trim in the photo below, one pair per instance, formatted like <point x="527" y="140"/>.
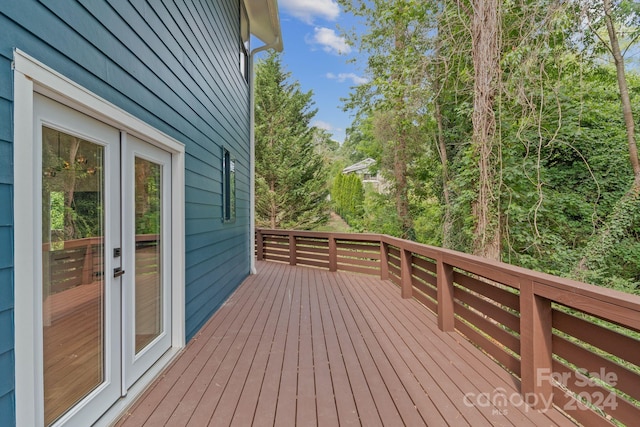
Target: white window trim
<point x="31" y="76"/>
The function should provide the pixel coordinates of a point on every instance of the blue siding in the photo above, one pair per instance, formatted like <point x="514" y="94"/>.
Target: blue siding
<point x="7" y="359"/>
<point x="6" y="161"/>
<point x="7" y="398"/>
<point x="6" y="250"/>
<point x="173" y="64"/>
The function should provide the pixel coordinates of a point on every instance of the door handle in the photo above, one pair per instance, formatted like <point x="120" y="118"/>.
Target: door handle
<point x="117" y="272"/>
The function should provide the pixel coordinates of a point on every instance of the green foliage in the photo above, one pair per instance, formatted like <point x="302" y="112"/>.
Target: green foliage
<point x="361" y="142"/>
<point x="427" y="222"/>
<point x="389" y="107"/>
<point x="87" y="214"/>
<point x="57" y="210"/>
<point x="562" y="168"/>
<point x="563" y="155"/>
<point x="613" y="259"/>
<point x="291" y="172"/>
<point x="379" y="215"/>
<point x="347" y="194"/>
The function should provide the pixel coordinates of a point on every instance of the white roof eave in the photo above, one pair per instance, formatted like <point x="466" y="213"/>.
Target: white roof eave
<point x="264" y="22"/>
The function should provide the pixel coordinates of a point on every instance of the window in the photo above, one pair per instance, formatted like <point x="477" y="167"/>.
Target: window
<point x="244" y="42"/>
<point x="228" y="187"/>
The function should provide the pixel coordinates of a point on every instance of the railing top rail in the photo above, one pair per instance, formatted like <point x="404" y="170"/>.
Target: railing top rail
<point x="610" y="304"/>
<point x="324" y="234"/>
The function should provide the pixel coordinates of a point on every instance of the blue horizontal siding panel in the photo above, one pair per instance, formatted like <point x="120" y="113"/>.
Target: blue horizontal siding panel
<point x="7" y="360"/>
<point x="173" y="64"/>
<point x="196" y="298"/>
<point x="7" y="363"/>
<point x="6" y="132"/>
<point x="6" y="248"/>
<point x="6" y="289"/>
<point x="205" y="183"/>
<point x="6" y="88"/>
<point x="6" y="331"/>
<point x="6" y="165"/>
<point x="7" y="400"/>
<point x="6" y="202"/>
<point x="7" y="403"/>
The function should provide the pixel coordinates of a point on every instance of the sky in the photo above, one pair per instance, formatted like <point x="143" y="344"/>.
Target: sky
<point x="316" y="55"/>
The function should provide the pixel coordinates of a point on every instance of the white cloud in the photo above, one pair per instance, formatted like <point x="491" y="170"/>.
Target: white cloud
<point x="337" y="133"/>
<point x="343" y="77"/>
<point x="307" y="10"/>
<point x="329" y="40"/>
<point x="324" y="125"/>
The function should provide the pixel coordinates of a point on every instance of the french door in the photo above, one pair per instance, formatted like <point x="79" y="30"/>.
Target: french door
<point x="106" y="260"/>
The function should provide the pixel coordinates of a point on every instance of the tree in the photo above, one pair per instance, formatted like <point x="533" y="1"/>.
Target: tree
<point x="347" y="194"/>
<point x="395" y="40"/>
<point x="485" y="28"/>
<point x="291" y="177"/>
<point x="513" y="129"/>
<point x="623" y="215"/>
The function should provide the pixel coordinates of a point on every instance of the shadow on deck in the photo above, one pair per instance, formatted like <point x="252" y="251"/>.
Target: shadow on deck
<point x="301" y="346"/>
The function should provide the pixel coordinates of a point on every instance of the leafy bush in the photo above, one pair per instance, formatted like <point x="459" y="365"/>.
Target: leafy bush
<point x="347" y="194"/>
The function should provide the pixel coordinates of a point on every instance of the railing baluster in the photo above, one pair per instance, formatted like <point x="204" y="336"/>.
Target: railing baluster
<point x="333" y="254"/>
<point x="446" y="319"/>
<point x="535" y="347"/>
<point x="405" y="273"/>
<point x="384" y="261"/>
<point x="292" y="250"/>
<point x="259" y="245"/>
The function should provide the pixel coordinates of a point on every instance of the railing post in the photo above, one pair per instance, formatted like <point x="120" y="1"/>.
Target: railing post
<point x="446" y="320"/>
<point x="535" y="347"/>
<point x="333" y="254"/>
<point x="292" y="249"/>
<point x="259" y="245"/>
<point x="384" y="261"/>
<point x="405" y="273"/>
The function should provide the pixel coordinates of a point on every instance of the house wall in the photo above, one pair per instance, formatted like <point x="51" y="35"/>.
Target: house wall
<point x="174" y="66"/>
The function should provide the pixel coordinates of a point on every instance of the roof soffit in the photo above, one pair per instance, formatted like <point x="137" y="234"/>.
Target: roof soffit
<point x="265" y="21"/>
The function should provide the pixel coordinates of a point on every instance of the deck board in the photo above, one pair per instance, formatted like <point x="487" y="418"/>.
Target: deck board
<point x="390" y="397"/>
<point x="301" y="346"/>
<point x="343" y="396"/>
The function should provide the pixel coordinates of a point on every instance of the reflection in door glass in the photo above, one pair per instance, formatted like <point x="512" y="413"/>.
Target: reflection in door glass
<point x="72" y="270"/>
<point x="148" y="279"/>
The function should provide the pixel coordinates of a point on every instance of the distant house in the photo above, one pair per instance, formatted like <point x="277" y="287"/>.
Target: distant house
<point x="363" y="170"/>
<point x="126" y="172"/>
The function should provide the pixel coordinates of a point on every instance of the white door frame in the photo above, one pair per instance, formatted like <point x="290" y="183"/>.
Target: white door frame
<point x="32" y="76"/>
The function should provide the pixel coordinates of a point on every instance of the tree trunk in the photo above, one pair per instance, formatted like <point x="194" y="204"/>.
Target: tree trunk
<point x="400" y="155"/>
<point x="402" y="191"/>
<point x="447" y="226"/>
<point x="485" y="46"/>
<point x="273" y="214"/>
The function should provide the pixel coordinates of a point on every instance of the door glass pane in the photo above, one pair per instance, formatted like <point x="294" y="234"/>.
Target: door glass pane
<point x="73" y="269"/>
<point x="148" y="279"/>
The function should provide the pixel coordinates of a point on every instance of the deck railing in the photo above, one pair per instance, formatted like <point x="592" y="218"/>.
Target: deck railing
<point x="75" y="262"/>
<point x="571" y="344"/>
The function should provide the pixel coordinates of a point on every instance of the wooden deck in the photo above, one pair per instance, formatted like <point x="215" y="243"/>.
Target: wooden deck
<point x="301" y="346"/>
